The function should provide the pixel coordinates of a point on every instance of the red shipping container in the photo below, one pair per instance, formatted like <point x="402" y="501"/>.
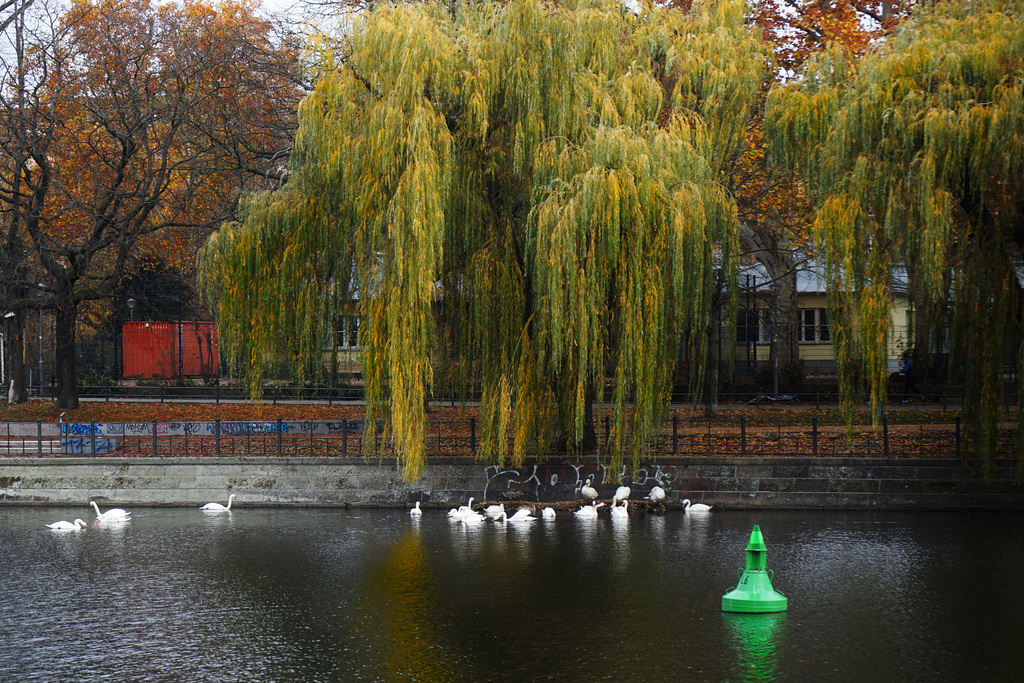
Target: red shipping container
<point x="170" y="350"/>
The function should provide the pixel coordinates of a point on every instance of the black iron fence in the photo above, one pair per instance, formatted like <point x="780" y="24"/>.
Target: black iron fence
<point x="947" y="400"/>
<point x="345" y="437"/>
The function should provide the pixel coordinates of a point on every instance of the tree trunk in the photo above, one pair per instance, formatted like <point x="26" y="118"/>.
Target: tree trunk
<point x="713" y="359"/>
<point x="67" y="375"/>
<point x="786" y="314"/>
<point x="17" y="381"/>
<point x="775" y="253"/>
<point x="589" y="442"/>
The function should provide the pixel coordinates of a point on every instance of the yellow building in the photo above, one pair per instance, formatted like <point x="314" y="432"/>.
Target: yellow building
<point x="755" y="321"/>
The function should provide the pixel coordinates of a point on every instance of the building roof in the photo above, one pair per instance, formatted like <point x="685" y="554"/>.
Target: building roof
<point x="810" y="278"/>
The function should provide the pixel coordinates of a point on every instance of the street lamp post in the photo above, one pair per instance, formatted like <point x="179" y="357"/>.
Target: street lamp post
<point x="41" y="339"/>
<point x="131" y="308"/>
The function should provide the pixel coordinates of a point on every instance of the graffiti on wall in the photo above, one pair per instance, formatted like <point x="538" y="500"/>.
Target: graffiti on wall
<point x="561" y="481"/>
<point x="87" y="446"/>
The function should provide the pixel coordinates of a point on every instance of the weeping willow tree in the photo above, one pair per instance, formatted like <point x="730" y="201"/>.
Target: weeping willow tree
<point x="916" y="157"/>
<point x="531" y="186"/>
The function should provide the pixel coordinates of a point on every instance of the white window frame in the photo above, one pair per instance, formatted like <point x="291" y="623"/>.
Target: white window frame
<point x="812" y="327"/>
<point x="348" y="332"/>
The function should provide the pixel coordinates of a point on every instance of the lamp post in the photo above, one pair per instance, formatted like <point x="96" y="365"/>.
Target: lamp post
<point x="41" y="286"/>
<point x="131" y="308"/>
<point x="3" y="347"/>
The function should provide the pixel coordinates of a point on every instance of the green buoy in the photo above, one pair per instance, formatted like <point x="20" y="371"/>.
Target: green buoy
<point x="754" y="592"/>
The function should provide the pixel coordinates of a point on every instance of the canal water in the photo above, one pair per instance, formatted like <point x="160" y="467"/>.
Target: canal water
<point x="373" y="595"/>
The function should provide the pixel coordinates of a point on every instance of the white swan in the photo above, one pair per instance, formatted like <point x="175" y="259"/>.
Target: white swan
<point x="621" y="494"/>
<point x="588" y="491"/>
<point x="217" y="507"/>
<point x="111" y="515"/>
<point x="620" y="510"/>
<point x="694" y="507"/>
<point x="548" y="513"/>
<point x="462" y="511"/>
<point x="494" y="511"/>
<point x="471" y="517"/>
<point x="522" y="515"/>
<point x="656" y="495"/>
<point x="588" y="511"/>
<point x="416" y="512"/>
<point x="63" y="525"/>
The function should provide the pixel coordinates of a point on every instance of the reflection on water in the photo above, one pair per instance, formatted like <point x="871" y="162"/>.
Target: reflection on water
<point x="756" y="639"/>
<point x="398" y="603"/>
<point x="374" y="595"/>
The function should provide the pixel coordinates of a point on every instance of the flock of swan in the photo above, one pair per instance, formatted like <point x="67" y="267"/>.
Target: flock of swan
<point x="118" y="515"/>
<point x="619" y="508"/>
<point x="464" y="513"/>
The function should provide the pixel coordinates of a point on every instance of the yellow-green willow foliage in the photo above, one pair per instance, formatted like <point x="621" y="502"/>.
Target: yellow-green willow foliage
<point x="916" y="155"/>
<point x="538" y="179"/>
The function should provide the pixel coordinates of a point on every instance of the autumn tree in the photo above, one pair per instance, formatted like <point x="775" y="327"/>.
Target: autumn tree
<point x="799" y="29"/>
<point x="773" y="209"/>
<point x="915" y="158"/>
<point x="27" y="40"/>
<point x="547" y="174"/>
<point x="129" y="123"/>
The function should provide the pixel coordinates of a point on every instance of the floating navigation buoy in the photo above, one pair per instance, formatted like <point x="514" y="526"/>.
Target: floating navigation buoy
<point x="754" y="592"/>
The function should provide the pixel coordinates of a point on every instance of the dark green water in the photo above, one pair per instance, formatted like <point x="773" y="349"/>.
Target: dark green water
<point x="371" y="595"/>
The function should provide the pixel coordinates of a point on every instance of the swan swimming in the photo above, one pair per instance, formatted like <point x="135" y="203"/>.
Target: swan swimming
<point x="217" y="507"/>
<point x="588" y="491"/>
<point x="462" y="512"/>
<point x="494" y="511"/>
<point x="656" y="495"/>
<point x="694" y="507"/>
<point x="621" y="494"/>
<point x="620" y="510"/>
<point x="416" y="512"/>
<point x="111" y="515"/>
<point x="455" y="514"/>
<point x="588" y="511"/>
<point x="471" y="517"/>
<point x="548" y="513"/>
<point x="65" y="526"/>
<point x="522" y="515"/>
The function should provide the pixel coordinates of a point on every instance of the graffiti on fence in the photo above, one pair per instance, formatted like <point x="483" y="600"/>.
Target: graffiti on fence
<point x="254" y="428"/>
<point x="28" y="430"/>
<point x="550" y="482"/>
<point x="97" y="429"/>
<point x="137" y="429"/>
<point x="339" y="426"/>
<point x="75" y="429"/>
<point x="87" y="446"/>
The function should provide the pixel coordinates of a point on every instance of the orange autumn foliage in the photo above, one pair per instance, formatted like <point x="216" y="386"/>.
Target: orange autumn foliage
<point x="134" y="131"/>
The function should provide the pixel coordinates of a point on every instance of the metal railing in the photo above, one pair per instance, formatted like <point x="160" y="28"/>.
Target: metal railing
<point x="947" y="400"/>
<point x="693" y="437"/>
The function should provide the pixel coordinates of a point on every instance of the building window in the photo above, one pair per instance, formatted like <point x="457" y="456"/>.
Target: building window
<point x="347" y="330"/>
<point x="751" y="327"/>
<point x="813" y="326"/>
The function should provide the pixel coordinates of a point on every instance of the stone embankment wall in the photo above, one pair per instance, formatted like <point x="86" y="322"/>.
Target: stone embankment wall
<point x="783" y="483"/>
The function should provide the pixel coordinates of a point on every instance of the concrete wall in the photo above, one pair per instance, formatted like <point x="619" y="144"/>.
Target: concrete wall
<point x="724" y="482"/>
